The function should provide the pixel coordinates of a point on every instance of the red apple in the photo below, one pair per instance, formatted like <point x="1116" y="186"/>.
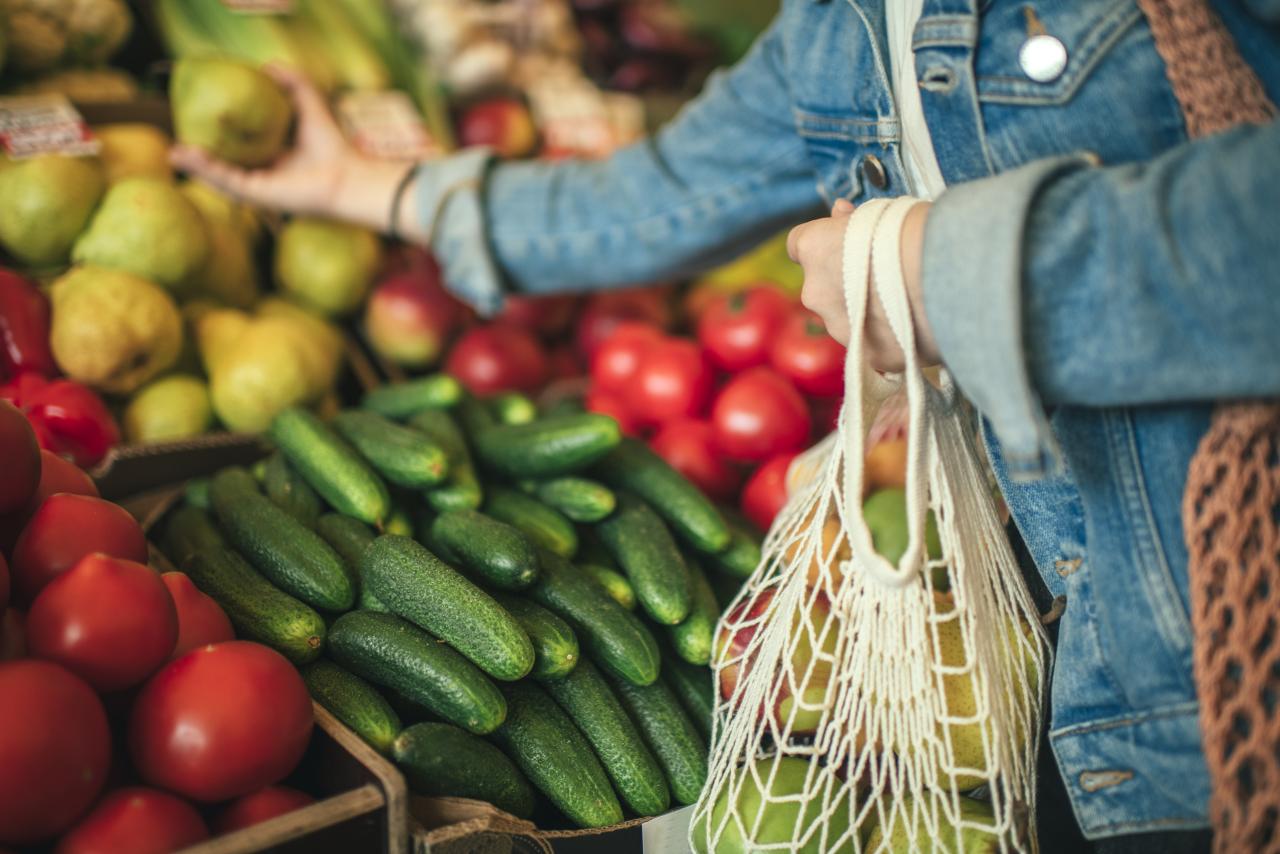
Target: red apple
<point x="548" y="316"/>
<point x="410" y="316"/>
<point x="504" y="124"/>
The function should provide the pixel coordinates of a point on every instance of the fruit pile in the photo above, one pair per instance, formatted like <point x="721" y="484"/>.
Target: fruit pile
<point x="505" y="601"/>
<point x="98" y="651"/>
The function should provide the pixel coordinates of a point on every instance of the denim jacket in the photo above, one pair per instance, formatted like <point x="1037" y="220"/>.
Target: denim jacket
<point x="1094" y="281"/>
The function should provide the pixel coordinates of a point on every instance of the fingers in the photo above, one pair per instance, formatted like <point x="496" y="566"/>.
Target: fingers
<point x="306" y="97"/>
<point x="219" y="173"/>
<point x="793" y="241"/>
<point x="842" y="207"/>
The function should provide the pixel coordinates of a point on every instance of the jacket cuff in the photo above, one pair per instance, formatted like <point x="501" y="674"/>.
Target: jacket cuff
<point x="972" y="267"/>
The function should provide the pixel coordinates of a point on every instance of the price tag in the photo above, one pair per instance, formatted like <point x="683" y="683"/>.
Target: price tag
<point x="259" y="7"/>
<point x="386" y="125"/>
<point x="43" y="124"/>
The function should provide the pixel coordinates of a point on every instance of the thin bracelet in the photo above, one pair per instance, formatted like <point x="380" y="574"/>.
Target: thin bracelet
<point x="394" y="230"/>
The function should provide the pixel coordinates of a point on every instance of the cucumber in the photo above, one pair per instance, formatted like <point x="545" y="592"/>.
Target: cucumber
<point x="614" y="583"/>
<point x="494" y="551"/>
<point x="567" y="405"/>
<point x="614" y="637"/>
<point x="400" y="454"/>
<point x="461" y="489"/>
<point x="259" y="611"/>
<point x="331" y="466"/>
<point x="633" y="467"/>
<point x="693" y="638"/>
<point x="672" y="737"/>
<point x="591" y="550"/>
<point x="545" y="527"/>
<point x="394" y="653"/>
<point x="555" y="757"/>
<point x="398" y="522"/>
<point x="354" y="702"/>
<point x="634" y="770"/>
<point x="743" y="555"/>
<point x="473" y="416"/>
<point x="442" y="760"/>
<point x="399" y="401"/>
<point x="512" y="407"/>
<point x="579" y="499"/>
<point x="349" y="538"/>
<point x="643" y="547"/>
<point x="197" y="492"/>
<point x="291" y="556"/>
<point x="549" y="447"/>
<point x="694" y="688"/>
<point x="187" y="531"/>
<point x="288" y="491"/>
<point x="418" y="586"/>
<point x="555" y="646"/>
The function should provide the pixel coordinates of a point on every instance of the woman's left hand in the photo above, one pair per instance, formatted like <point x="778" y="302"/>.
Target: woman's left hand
<point x="818" y="247"/>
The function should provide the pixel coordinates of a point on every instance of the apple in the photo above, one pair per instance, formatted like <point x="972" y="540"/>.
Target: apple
<point x="548" y="316"/>
<point x="410" y="316"/>
<point x="504" y="124"/>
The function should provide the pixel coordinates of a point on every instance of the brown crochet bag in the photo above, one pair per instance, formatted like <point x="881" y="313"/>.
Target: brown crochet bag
<point x="1231" y="508"/>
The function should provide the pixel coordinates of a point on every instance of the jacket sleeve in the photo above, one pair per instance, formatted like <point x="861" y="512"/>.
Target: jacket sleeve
<point x="726" y="172"/>
<point x="1063" y="282"/>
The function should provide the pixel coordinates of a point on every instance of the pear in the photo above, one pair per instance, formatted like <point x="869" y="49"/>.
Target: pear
<point x="146" y="227"/>
<point x="263" y="374"/>
<point x="111" y="329"/>
<point x="45" y="202"/>
<point x="133" y="150"/>
<point x="215" y="204"/>
<point x="217" y="330"/>
<point x="228" y="274"/>
<point x="230" y="109"/>
<point x="329" y="266"/>
<point x="973" y="840"/>
<point x="172" y="407"/>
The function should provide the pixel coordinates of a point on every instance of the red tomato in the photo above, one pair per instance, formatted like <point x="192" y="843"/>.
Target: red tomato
<point x="759" y="414"/>
<point x="766" y="491"/>
<point x="4" y="584"/>
<point x="673" y="380"/>
<point x="804" y="353"/>
<point x="65" y="529"/>
<point x="564" y="363"/>
<point x="201" y="621"/>
<point x="136" y="820"/>
<point x="260" y="806"/>
<point x="220" y="722"/>
<point x="612" y="405"/>
<point x="737" y="329"/>
<point x="616" y="360"/>
<point x="826" y="415"/>
<point x="495" y="358"/>
<point x="548" y="316"/>
<point x="21" y="454"/>
<point x="688" y="445"/>
<point x="605" y="310"/>
<point x="54" y="750"/>
<point x="56" y="475"/>
<point x="109" y="621"/>
<point x="13" y="635"/>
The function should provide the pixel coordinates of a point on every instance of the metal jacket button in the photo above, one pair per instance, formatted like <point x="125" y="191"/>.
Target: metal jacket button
<point x="873" y="169"/>
<point x="1043" y="58"/>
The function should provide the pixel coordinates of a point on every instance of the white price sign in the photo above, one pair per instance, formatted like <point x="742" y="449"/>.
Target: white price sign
<point x="385" y="125"/>
<point x="43" y="124"/>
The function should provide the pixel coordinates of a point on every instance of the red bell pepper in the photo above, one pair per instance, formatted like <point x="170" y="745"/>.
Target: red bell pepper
<point x="69" y="418"/>
<point x="24" y="328"/>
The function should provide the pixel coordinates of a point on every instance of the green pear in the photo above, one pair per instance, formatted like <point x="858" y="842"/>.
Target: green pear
<point x="262" y="375"/>
<point x="885" y="512"/>
<point x="145" y="226"/>
<point x="230" y="109"/>
<point x="111" y="329"/>
<point x="229" y="274"/>
<point x="329" y="266"/>
<point x="172" y="407"/>
<point x="318" y="337"/>
<point x="218" y="330"/>
<point x="973" y="840"/>
<point x="215" y="204"/>
<point x="45" y="202"/>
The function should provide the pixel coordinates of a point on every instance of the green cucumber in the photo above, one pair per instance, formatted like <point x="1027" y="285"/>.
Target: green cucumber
<point x="555" y="646"/>
<point x="473" y="416"/>
<point x="259" y="611"/>
<point x="291" y="556"/>
<point x="399" y="401"/>
<point x="288" y="491"/>
<point x="672" y="737"/>
<point x="614" y="637"/>
<point x="634" y="770"/>
<point x="548" y="447"/>
<point x="331" y="466"/>
<point x="545" y="527"/>
<point x="354" y="702"/>
<point x="743" y="555"/>
<point x="614" y="583"/>
<point x="591" y="550"/>
<point x="442" y="760"/>
<point x="461" y="489"/>
<point x="645" y="550"/>
<point x="555" y="757"/>
<point x="693" y="687"/>
<point x="634" y="467"/>
<point x="187" y="531"/>
<point x="394" y="653"/>
<point x="418" y="586"/>
<point x="197" y="492"/>
<point x="494" y="551"/>
<point x="349" y="538"/>
<point x="693" y="638"/>
<point x="400" y="454"/>
<point x="577" y="498"/>
<point x="512" y="407"/>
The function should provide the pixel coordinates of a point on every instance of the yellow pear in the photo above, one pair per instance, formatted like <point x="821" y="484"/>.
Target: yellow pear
<point x="228" y="274"/>
<point x="133" y="150"/>
<point x="215" y="204"/>
<point x="320" y="339"/>
<point x="329" y="266"/>
<point x="218" y="332"/>
<point x="230" y="109"/>
<point x="263" y="374"/>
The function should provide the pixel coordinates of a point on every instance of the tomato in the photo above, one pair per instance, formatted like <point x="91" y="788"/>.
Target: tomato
<point x="136" y="820"/>
<point x="605" y="310"/>
<point x="109" y="621"/>
<point x="261" y="806"/>
<point x="688" y="445"/>
<point x="13" y="635"/>
<point x="495" y="358"/>
<point x="547" y="316"/>
<point x="616" y="360"/>
<point x="4" y="584"/>
<point x="804" y="353"/>
<point x="21" y="454"/>
<point x="826" y="415"/>
<point x="759" y="414"/>
<point x="564" y="363"/>
<point x="54" y="750"/>
<point x="220" y="722"/>
<point x="56" y="475"/>
<point x="766" y="491"/>
<point x="65" y="529"/>
<point x="673" y="380"/>
<point x="737" y="329"/>
<point x="612" y="405"/>
<point x="201" y="620"/>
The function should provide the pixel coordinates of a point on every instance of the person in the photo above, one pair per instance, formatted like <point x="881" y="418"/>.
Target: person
<point x="1092" y="278"/>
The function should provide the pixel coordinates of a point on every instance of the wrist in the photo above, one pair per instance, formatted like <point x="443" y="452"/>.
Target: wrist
<point x="364" y="190"/>
<point x="912" y="254"/>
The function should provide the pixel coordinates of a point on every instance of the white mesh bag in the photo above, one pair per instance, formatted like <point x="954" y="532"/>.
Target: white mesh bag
<point x="858" y="700"/>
